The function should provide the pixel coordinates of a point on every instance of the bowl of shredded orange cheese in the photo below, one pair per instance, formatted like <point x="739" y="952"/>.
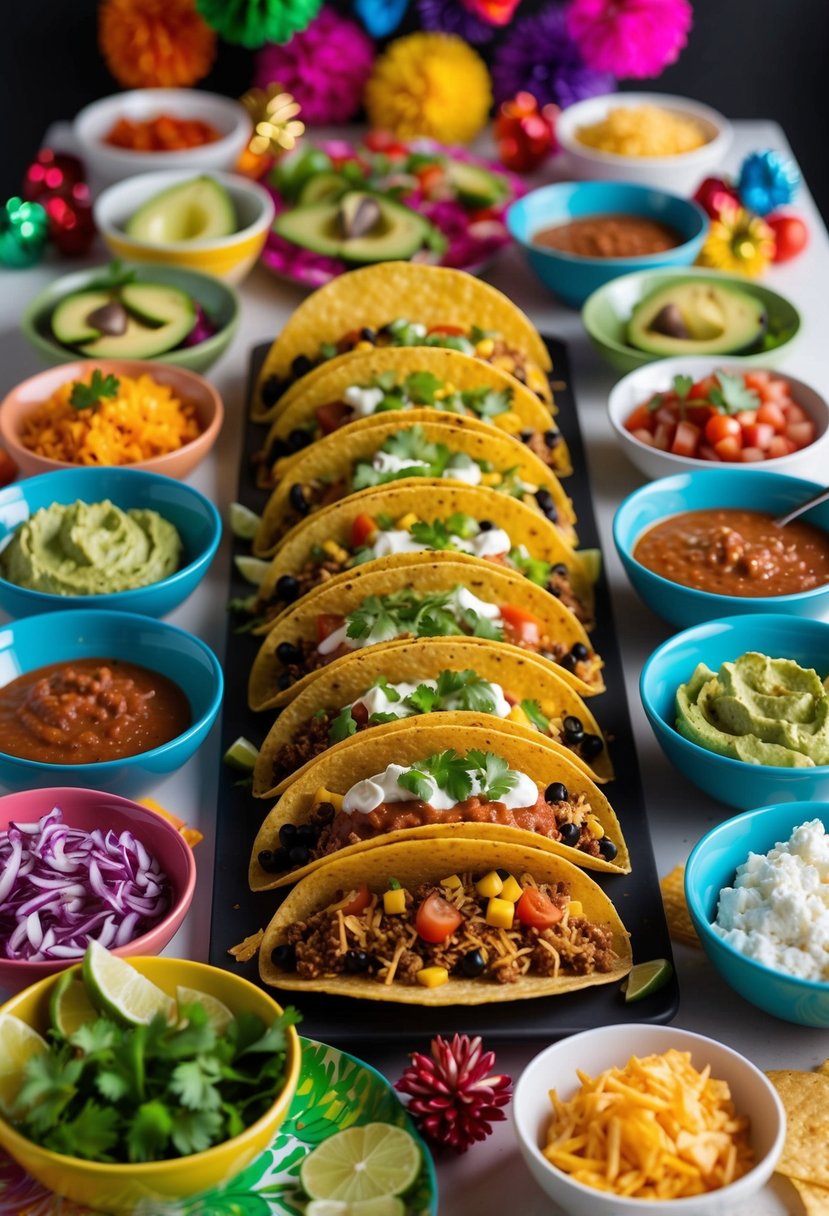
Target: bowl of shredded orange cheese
<point x="111" y="412"/>
<point x="648" y="1119"/>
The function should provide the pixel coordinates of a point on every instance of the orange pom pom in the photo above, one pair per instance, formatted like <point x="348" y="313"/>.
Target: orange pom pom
<point x="155" y="43"/>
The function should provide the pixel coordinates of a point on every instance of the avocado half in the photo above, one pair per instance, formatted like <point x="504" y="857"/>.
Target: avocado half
<point x="198" y="209"/>
<point x="697" y="318"/>
<point x="154" y="319"/>
<point x="395" y="233"/>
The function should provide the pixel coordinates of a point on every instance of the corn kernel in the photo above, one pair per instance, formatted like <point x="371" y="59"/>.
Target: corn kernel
<point x="324" y="795"/>
<point x="394" y="902"/>
<point x="535" y="378"/>
<point x="512" y="889"/>
<point x="500" y="913"/>
<point x="449" y="389"/>
<point x="575" y="908"/>
<point x="491" y="884"/>
<point x="484" y="348"/>
<point x="405" y="522"/>
<point x="335" y="551"/>
<point x="505" y="362"/>
<point x="440" y="393"/>
<point x="432" y="977"/>
<point x="594" y="828"/>
<point x="516" y="714"/>
<point x="364" y="346"/>
<point x="491" y="479"/>
<point x="451" y="883"/>
<point x="509" y="421"/>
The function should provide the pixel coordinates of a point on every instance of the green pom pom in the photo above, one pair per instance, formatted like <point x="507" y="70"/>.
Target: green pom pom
<point x="24" y="230"/>
<point x="252" y="23"/>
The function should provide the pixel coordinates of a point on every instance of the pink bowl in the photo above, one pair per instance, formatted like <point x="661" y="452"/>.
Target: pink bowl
<point x="27" y="395"/>
<point x="90" y="809"/>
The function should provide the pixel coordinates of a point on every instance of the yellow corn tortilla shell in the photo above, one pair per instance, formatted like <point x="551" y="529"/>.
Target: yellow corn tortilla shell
<point x="375" y="295"/>
<point x="336" y="771"/>
<point x="334" y="459"/>
<point x="429" y="499"/>
<point x="805" y="1098"/>
<point x="430" y="861"/>
<point x="517" y="671"/>
<point x="815" y="1199"/>
<point x="430" y="572"/>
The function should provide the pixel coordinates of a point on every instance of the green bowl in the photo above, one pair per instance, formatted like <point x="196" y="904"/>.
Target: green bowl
<point x="606" y="314"/>
<point x="217" y="299"/>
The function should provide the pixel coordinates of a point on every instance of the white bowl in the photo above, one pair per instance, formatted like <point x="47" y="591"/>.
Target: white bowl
<point x="681" y="174"/>
<point x="94" y="122"/>
<point x="227" y="257"/>
<point x="593" y="1051"/>
<point x="657" y="377"/>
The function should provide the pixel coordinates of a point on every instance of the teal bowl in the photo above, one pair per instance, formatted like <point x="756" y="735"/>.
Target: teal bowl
<point x="712" y="866"/>
<point x="84" y="633"/>
<point x="218" y="301"/>
<point x="751" y="489"/>
<point x="198" y="523"/>
<point x="574" y="278"/>
<point x="733" y="782"/>
<point x="606" y="313"/>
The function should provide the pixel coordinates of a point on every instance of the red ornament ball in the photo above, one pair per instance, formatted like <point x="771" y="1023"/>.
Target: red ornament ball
<point x="71" y="227"/>
<point x="525" y="133"/>
<point x="791" y="236"/>
<point x="716" y="195"/>
<point x="50" y="173"/>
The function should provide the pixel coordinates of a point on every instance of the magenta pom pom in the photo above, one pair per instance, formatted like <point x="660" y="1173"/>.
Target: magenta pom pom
<point x="629" y="38"/>
<point x="539" y="56"/>
<point x="325" y="67"/>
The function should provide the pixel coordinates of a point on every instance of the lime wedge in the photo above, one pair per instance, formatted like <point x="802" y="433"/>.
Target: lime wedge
<point x="383" y="1205"/>
<point x="645" y="978"/>
<point x="118" y="990"/>
<point x="361" y="1163"/>
<point x="18" y="1043"/>
<point x="218" y="1014"/>
<point x="243" y="522"/>
<point x="252" y="569"/>
<point x="69" y="1005"/>
<point x="591" y="560"/>
<point x="242" y="754"/>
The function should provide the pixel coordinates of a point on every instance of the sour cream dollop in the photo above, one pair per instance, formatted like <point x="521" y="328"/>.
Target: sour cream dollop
<point x="366" y="795"/>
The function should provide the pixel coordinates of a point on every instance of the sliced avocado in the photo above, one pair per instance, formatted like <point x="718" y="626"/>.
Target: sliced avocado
<point x="396" y="232"/>
<point x="155" y="304"/>
<point x="159" y="318"/>
<point x="322" y="187"/>
<point x="195" y="210"/>
<point x="697" y="318"/>
<point x="476" y="186"/>
<point x="70" y="319"/>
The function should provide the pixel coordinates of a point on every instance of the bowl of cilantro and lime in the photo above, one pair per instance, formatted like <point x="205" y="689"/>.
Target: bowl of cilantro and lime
<point x="136" y="1083"/>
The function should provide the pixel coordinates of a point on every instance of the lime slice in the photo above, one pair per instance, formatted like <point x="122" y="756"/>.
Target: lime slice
<point x="218" y="1014"/>
<point x="243" y="522"/>
<point x="361" y="1163"/>
<point x="242" y="754"/>
<point x="591" y="560"/>
<point x="252" y="569"/>
<point x="645" y="978"/>
<point x="18" y="1043"/>
<point x="117" y="989"/>
<point x="383" y="1205"/>
<point x="69" y="1005"/>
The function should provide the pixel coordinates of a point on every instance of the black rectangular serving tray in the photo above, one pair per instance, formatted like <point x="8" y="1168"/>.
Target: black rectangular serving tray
<point x="237" y="911"/>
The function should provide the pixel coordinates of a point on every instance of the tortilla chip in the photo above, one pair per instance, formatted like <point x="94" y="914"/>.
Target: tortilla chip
<point x="680" y="925"/>
<point x="815" y="1199"/>
<point x="191" y="835"/>
<point x="805" y="1098"/>
<point x="823" y="1068"/>
<point x="246" y="949"/>
<point x="430" y="860"/>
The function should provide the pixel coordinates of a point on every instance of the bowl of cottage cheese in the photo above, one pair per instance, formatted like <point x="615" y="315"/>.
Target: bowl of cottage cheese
<point x="757" y="888"/>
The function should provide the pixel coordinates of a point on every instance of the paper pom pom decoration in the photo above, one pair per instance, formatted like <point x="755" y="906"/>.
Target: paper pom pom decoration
<point x="629" y="38"/>
<point x="524" y="134"/>
<point x="24" y="229"/>
<point x="429" y="84"/>
<point x="155" y="43"/>
<point x="324" y="67"/>
<point x="381" y="17"/>
<point x="715" y="195"/>
<point x="767" y="180"/>
<point x="739" y="243"/>
<point x="539" y="56"/>
<point x="450" y="17"/>
<point x="252" y="23"/>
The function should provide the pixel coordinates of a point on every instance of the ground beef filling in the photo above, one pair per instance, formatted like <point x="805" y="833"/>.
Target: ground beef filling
<point x="388" y="948"/>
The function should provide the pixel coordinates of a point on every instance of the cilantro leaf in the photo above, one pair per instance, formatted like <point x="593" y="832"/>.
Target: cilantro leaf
<point x="417" y="783"/>
<point x="482" y="626"/>
<point x="194" y="1082"/>
<point x="150" y="1130"/>
<point x="342" y="727"/>
<point x="533" y="568"/>
<point x="194" y="1131"/>
<point x="533" y="711"/>
<point x="96" y="1036"/>
<point x="495" y="775"/>
<point x="450" y="772"/>
<point x="424" y="699"/>
<point x="377" y="719"/>
<point x="682" y="386"/>
<point x="88" y="396"/>
<point x="732" y="396"/>
<point x="91" y="1134"/>
<point x="466" y="690"/>
<point x="487" y="402"/>
<point x="421" y="387"/>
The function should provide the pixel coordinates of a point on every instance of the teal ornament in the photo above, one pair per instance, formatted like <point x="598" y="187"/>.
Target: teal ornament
<point x="767" y="180"/>
<point x="380" y="17"/>
<point x="24" y="230"/>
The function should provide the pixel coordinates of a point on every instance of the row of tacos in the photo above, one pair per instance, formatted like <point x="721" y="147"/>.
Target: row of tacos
<point x="434" y="771"/>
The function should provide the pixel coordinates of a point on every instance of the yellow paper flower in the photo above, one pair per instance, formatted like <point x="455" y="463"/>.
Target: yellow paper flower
<point x="155" y="43"/>
<point x="738" y="242"/>
<point x="429" y="84"/>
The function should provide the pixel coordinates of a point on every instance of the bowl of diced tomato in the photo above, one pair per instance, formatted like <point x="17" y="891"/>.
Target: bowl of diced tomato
<point x="683" y="414"/>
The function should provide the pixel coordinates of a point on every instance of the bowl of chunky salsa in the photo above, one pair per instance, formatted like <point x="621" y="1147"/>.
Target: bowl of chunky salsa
<point x="701" y="545"/>
<point x="100" y="699"/>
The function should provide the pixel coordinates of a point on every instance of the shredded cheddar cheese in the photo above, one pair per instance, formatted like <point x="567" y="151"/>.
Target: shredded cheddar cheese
<point x="642" y="131"/>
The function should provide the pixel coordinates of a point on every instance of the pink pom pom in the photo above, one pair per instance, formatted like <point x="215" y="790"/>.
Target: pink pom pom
<point x="325" y="67"/>
<point x="629" y="37"/>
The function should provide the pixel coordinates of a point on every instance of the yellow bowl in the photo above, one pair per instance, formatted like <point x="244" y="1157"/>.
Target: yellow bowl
<point x="117" y="1188"/>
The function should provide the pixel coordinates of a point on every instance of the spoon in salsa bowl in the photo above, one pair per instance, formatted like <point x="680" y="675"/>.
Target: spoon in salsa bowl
<point x="814" y="501"/>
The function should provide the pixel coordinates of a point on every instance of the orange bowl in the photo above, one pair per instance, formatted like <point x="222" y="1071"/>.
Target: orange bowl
<point x="29" y="394"/>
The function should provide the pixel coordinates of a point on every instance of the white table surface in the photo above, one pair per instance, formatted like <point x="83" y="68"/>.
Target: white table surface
<point x="490" y="1179"/>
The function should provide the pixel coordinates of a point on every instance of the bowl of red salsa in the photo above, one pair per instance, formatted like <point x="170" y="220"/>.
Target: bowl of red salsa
<point x="105" y="700"/>
<point x="702" y="545"/>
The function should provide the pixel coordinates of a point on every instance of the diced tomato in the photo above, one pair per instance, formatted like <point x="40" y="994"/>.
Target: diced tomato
<point x="759" y="435"/>
<point x="756" y="380"/>
<point x="643" y="436"/>
<point x="775" y="392"/>
<point x="729" y="448"/>
<point x="721" y="427"/>
<point x="668" y="415"/>
<point x="663" y="436"/>
<point x="328" y="623"/>
<point x="8" y="469"/>
<point x="746" y="417"/>
<point x="360" y="899"/>
<point x="773" y="414"/>
<point x="379" y="141"/>
<point x="790" y="235"/>
<point x="686" y="439"/>
<point x="641" y="418"/>
<point x="521" y="627"/>
<point x="698" y="414"/>
<point x="436" y="918"/>
<point x="752" y="455"/>
<point x="430" y="177"/>
<point x="707" y="453"/>
<point x="331" y="415"/>
<point x="796" y="413"/>
<point x="537" y="909"/>
<point x="700" y="390"/>
<point x="801" y="433"/>
<point x="457" y="330"/>
<point x="362" y="528"/>
<point x="781" y="445"/>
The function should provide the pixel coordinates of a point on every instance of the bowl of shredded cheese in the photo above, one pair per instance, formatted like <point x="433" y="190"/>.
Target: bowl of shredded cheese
<point x="640" y="1118"/>
<point x="111" y="412"/>
<point x="650" y="138"/>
